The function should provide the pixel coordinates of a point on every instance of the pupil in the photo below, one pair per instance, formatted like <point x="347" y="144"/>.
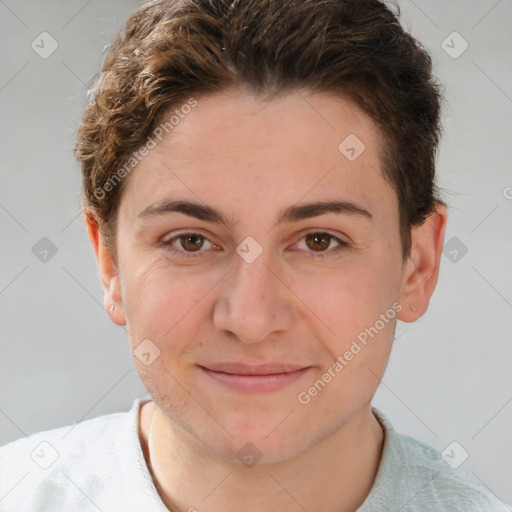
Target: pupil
<point x="318" y="241"/>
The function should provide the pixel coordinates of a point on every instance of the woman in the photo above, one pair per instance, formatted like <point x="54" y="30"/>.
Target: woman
<point x="259" y="190"/>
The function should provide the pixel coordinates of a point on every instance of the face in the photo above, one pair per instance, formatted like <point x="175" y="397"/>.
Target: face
<point x="248" y="242"/>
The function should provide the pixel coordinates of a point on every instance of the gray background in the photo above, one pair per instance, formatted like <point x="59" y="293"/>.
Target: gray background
<point x="63" y="361"/>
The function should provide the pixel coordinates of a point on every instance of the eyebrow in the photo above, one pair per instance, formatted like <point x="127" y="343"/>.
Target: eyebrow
<point x="291" y="214"/>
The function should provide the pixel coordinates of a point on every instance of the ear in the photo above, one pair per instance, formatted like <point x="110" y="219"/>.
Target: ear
<point x="107" y="267"/>
<point x="422" y="267"/>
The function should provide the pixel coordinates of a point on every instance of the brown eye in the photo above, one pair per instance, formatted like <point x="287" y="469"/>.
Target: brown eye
<point x="320" y="244"/>
<point x="191" y="242"/>
<point x="318" y="241"/>
<point x="189" y="245"/>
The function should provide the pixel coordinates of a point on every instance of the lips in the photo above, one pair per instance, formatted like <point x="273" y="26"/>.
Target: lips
<point x="245" y="369"/>
<point x="254" y="378"/>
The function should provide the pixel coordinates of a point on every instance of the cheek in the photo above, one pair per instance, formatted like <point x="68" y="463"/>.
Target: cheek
<point x="159" y="302"/>
<point x="346" y="301"/>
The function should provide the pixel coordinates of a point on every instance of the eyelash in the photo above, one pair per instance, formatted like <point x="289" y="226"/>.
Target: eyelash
<point x="342" y="244"/>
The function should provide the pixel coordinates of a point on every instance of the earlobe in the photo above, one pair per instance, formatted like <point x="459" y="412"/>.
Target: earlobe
<point x="107" y="267"/>
<point x="422" y="268"/>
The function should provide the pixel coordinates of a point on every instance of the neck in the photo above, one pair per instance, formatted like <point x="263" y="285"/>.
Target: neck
<point x="335" y="475"/>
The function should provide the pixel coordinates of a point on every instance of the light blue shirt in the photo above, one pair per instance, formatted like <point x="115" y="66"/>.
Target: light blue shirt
<point x="98" y="464"/>
<point x="413" y="477"/>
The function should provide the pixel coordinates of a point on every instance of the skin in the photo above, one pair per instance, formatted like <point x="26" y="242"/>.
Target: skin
<point x="251" y="159"/>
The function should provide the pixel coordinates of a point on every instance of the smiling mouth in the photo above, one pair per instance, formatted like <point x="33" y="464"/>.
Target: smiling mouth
<point x="254" y="378"/>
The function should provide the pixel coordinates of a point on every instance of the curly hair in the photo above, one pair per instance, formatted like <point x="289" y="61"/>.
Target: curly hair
<point x="170" y="50"/>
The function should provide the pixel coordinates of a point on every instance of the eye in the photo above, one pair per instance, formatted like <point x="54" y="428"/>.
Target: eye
<point x="188" y="243"/>
<point x="322" y="243"/>
<point x="316" y="244"/>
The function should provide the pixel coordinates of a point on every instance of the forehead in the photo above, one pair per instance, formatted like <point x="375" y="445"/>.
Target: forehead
<point x="236" y="147"/>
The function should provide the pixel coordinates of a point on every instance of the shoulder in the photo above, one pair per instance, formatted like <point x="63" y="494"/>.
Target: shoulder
<point x="63" y="466"/>
<point x="444" y="480"/>
<point x="416" y="476"/>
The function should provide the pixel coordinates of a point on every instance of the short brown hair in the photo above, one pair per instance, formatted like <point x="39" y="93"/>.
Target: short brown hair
<point x="172" y="49"/>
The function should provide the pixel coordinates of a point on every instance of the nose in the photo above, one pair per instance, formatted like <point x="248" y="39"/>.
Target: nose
<point x="254" y="302"/>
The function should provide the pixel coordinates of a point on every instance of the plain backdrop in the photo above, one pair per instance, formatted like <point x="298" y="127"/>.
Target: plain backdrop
<point x="62" y="361"/>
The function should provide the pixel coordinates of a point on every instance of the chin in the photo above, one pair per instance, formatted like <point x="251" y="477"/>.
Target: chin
<point x="257" y="438"/>
<point x="257" y="449"/>
<point x="251" y="433"/>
